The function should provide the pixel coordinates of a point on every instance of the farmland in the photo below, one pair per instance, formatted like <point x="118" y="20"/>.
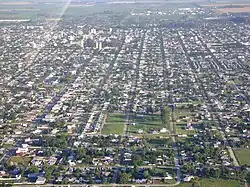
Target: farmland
<point x="233" y="10"/>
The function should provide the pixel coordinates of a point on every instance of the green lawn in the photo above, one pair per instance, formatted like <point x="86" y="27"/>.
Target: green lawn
<point x="153" y="136"/>
<point x="114" y="124"/>
<point x="146" y="123"/>
<point x="180" y="129"/>
<point x="243" y="156"/>
<point x="20" y="160"/>
<point x="214" y="183"/>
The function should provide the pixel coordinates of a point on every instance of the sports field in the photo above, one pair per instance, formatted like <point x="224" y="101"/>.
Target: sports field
<point x="114" y="124"/>
<point x="146" y="124"/>
<point x="243" y="156"/>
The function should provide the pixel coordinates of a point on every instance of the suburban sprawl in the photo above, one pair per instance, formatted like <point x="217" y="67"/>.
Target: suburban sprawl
<point x="125" y="93"/>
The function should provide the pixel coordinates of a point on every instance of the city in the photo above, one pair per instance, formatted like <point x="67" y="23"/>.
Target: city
<point x="152" y="96"/>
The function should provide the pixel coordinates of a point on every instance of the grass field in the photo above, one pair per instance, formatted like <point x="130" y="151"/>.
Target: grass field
<point x="180" y="129"/>
<point x="243" y="156"/>
<point x="15" y="10"/>
<point x="146" y="123"/>
<point x="153" y="136"/>
<point x="159" y="142"/>
<point x="213" y="183"/>
<point x="114" y="124"/>
<point x="182" y="116"/>
<point x="19" y="160"/>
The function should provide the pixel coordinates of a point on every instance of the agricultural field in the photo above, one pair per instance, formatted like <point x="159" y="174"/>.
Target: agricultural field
<point x="242" y="156"/>
<point x="224" y="4"/>
<point x="114" y="124"/>
<point x="233" y="10"/>
<point x="239" y="7"/>
<point x="29" y="11"/>
<point x="34" y="10"/>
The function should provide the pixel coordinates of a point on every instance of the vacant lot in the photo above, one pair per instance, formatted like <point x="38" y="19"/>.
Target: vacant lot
<point x="114" y="124"/>
<point x="20" y="160"/>
<point x="243" y="156"/>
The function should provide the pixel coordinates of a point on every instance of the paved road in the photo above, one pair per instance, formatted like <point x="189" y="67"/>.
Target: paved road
<point x="215" y="117"/>
<point x="232" y="155"/>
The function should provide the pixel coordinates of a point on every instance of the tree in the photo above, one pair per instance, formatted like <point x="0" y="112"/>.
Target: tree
<point x="22" y="171"/>
<point x="146" y="174"/>
<point x="135" y="172"/>
<point x="136" y="159"/>
<point x="196" y="183"/>
<point x="217" y="173"/>
<point x="124" y="178"/>
<point x="243" y="174"/>
<point x="77" y="173"/>
<point x="48" y="171"/>
<point x="33" y="169"/>
<point x="81" y="153"/>
<point x="91" y="181"/>
<point x="166" y="116"/>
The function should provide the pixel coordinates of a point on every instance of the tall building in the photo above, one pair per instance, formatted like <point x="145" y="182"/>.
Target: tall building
<point x="93" y="31"/>
<point x="82" y="43"/>
<point x="98" y="45"/>
<point x="34" y="45"/>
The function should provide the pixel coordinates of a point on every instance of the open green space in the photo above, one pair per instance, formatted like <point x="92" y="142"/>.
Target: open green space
<point x="243" y="156"/>
<point x="29" y="11"/>
<point x="20" y="160"/>
<point x="183" y="114"/>
<point x="158" y="141"/>
<point x="180" y="129"/>
<point x="153" y="136"/>
<point x="114" y="124"/>
<point x="213" y="183"/>
<point x="146" y="123"/>
<point x="24" y="10"/>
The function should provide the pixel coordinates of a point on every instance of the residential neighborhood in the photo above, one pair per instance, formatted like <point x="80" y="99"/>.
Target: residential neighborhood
<point x="132" y="98"/>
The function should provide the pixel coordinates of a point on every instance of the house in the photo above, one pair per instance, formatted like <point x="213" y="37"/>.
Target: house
<point x="21" y="151"/>
<point x="140" y="131"/>
<point x="52" y="160"/>
<point x="37" y="161"/>
<point x="163" y="130"/>
<point x="40" y="180"/>
<point x="188" y="178"/>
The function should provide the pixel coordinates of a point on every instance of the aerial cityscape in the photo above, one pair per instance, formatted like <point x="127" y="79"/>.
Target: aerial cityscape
<point x="125" y="93"/>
